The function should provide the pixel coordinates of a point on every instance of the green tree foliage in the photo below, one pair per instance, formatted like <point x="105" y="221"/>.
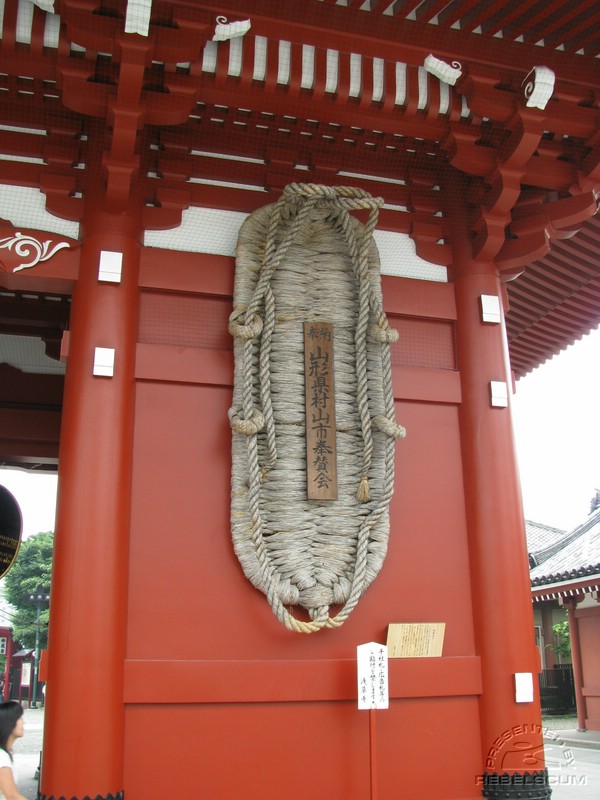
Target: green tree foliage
<point x="562" y="639"/>
<point x="32" y="568"/>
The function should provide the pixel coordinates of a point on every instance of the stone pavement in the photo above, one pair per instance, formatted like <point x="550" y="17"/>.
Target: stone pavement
<point x="26" y="753"/>
<point x="574" y="738"/>
<point x="565" y="729"/>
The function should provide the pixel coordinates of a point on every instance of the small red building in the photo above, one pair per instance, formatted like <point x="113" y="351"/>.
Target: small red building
<point x="135" y="139"/>
<point x="570" y="576"/>
<point x="16" y="679"/>
<point x="6" y="649"/>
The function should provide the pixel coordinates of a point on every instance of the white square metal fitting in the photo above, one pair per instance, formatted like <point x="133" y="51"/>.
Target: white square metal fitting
<point x="499" y="394"/>
<point x="490" y="309"/>
<point x="104" y="362"/>
<point x="523" y="687"/>
<point x="110" y="267"/>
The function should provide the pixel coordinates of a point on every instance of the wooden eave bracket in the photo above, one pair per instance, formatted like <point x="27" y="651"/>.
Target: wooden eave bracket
<point x="80" y="93"/>
<point x="181" y="42"/>
<point x="93" y="31"/>
<point x="167" y="214"/>
<point x="429" y="244"/>
<point x="61" y="199"/>
<point x="506" y="182"/>
<point x="464" y="151"/>
<point x="589" y="177"/>
<point x="498" y="207"/>
<point x="489" y="234"/>
<point x="561" y="217"/>
<point x="175" y="107"/>
<point x="119" y="181"/>
<point x="535" y="228"/>
<point x="526" y="127"/>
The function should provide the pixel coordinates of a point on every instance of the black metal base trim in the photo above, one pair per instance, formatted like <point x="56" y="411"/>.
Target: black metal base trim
<point x="521" y="785"/>
<point x="116" y="796"/>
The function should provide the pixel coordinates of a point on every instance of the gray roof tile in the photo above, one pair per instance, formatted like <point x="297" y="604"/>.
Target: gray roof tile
<point x="577" y="555"/>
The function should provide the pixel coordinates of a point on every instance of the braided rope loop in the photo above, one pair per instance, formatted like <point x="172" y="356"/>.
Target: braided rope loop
<point x="306" y="258"/>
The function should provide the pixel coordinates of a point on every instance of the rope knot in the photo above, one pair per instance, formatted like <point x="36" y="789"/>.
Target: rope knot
<point x="348" y="196"/>
<point x="248" y="330"/>
<point x="384" y="334"/>
<point x="389" y="427"/>
<point x="247" y="427"/>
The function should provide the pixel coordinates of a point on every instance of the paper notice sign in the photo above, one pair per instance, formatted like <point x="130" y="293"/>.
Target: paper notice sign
<point x="415" y="639"/>
<point x="372" y="668"/>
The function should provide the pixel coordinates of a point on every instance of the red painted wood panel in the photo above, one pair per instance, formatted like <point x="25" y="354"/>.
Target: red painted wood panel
<point x="252" y="704"/>
<point x="589" y="635"/>
<point x="180" y="536"/>
<point x="300" y="750"/>
<point x="278" y="680"/>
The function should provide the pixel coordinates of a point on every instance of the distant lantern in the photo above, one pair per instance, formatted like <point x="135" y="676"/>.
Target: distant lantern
<point x="11" y="525"/>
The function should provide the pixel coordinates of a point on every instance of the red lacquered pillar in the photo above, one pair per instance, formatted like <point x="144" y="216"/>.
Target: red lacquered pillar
<point x="84" y="723"/>
<point x="577" y="663"/>
<point x="511" y="732"/>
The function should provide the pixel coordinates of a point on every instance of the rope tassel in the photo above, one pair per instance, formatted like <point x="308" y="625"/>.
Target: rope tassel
<point x="363" y="495"/>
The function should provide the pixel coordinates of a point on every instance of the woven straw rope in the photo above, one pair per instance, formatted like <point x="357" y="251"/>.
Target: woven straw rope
<point x="307" y="259"/>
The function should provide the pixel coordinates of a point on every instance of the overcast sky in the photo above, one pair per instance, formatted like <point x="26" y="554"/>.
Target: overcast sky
<point x="557" y="432"/>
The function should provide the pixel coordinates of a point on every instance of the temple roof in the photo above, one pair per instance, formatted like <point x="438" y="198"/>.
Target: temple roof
<point x="574" y="566"/>
<point x="388" y="95"/>
<point x="542" y="541"/>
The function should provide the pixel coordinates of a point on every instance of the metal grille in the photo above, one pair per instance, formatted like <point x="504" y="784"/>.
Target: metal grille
<point x="557" y="690"/>
<point x="184" y="320"/>
<point x="423" y="343"/>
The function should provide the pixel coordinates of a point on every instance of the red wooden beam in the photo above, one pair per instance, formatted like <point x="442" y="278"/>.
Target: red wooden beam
<point x="330" y="107"/>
